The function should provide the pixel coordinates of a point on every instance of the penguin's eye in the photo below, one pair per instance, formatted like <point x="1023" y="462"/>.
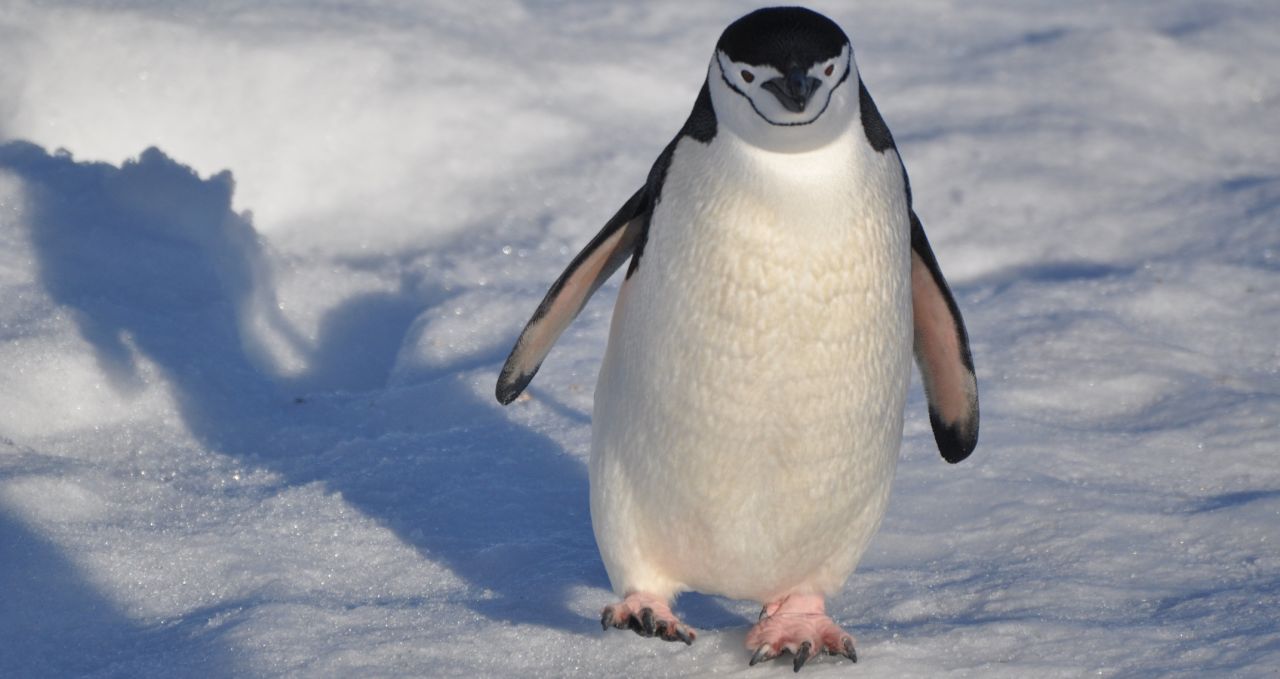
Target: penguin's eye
<point x="746" y="75"/>
<point x="831" y="68"/>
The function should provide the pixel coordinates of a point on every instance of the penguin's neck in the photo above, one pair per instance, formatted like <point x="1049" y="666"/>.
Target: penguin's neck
<point x="811" y="189"/>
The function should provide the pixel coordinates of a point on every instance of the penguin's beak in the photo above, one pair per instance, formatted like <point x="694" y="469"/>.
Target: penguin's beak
<point x="794" y="89"/>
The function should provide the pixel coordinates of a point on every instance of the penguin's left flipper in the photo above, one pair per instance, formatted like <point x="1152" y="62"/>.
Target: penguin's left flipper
<point x="942" y="352"/>
<point x="618" y="240"/>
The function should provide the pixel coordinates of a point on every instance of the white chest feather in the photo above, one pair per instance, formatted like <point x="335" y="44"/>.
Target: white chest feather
<point x="753" y="386"/>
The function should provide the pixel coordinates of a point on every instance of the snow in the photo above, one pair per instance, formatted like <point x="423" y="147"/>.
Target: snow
<point x="259" y="265"/>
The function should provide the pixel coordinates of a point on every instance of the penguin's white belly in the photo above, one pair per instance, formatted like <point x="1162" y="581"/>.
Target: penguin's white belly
<point x="749" y="410"/>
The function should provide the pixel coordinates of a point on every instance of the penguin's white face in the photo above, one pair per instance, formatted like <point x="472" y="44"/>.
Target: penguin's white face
<point x="790" y="99"/>
<point x="780" y="80"/>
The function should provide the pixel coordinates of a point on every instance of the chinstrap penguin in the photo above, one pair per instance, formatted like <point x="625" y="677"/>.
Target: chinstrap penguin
<point x="748" y="413"/>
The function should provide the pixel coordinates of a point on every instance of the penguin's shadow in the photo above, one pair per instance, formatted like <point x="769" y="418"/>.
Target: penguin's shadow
<point x="151" y="262"/>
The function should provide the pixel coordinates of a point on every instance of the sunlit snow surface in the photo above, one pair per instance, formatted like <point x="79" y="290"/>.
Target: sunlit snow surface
<point x="246" y="414"/>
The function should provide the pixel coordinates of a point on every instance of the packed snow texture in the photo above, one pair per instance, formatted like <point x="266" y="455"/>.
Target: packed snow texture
<point x="260" y="264"/>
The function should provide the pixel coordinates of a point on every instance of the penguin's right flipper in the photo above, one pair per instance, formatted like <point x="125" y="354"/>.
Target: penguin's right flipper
<point x="618" y="240"/>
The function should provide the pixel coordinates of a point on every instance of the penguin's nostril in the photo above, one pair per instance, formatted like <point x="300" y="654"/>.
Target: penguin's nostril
<point x="796" y="82"/>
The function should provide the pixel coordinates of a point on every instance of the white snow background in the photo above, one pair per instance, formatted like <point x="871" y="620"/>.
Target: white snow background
<point x="260" y="262"/>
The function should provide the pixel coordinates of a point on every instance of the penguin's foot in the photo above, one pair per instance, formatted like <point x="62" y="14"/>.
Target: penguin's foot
<point x="648" y="616"/>
<point x="799" y="624"/>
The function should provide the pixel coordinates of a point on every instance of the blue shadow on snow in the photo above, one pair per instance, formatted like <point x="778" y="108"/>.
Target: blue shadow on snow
<point x="152" y="261"/>
<point x="53" y="623"/>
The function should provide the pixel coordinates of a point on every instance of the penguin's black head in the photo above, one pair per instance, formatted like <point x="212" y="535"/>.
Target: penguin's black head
<point x="781" y="67"/>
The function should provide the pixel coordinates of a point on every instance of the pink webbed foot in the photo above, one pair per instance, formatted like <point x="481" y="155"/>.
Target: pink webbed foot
<point x="799" y="624"/>
<point x="648" y="616"/>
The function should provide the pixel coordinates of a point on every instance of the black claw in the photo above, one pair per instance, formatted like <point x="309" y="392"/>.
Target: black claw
<point x="646" y="624"/>
<point x="848" y="650"/>
<point x="760" y="655"/>
<point x="802" y="656"/>
<point x="646" y="621"/>
<point x="683" y="635"/>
